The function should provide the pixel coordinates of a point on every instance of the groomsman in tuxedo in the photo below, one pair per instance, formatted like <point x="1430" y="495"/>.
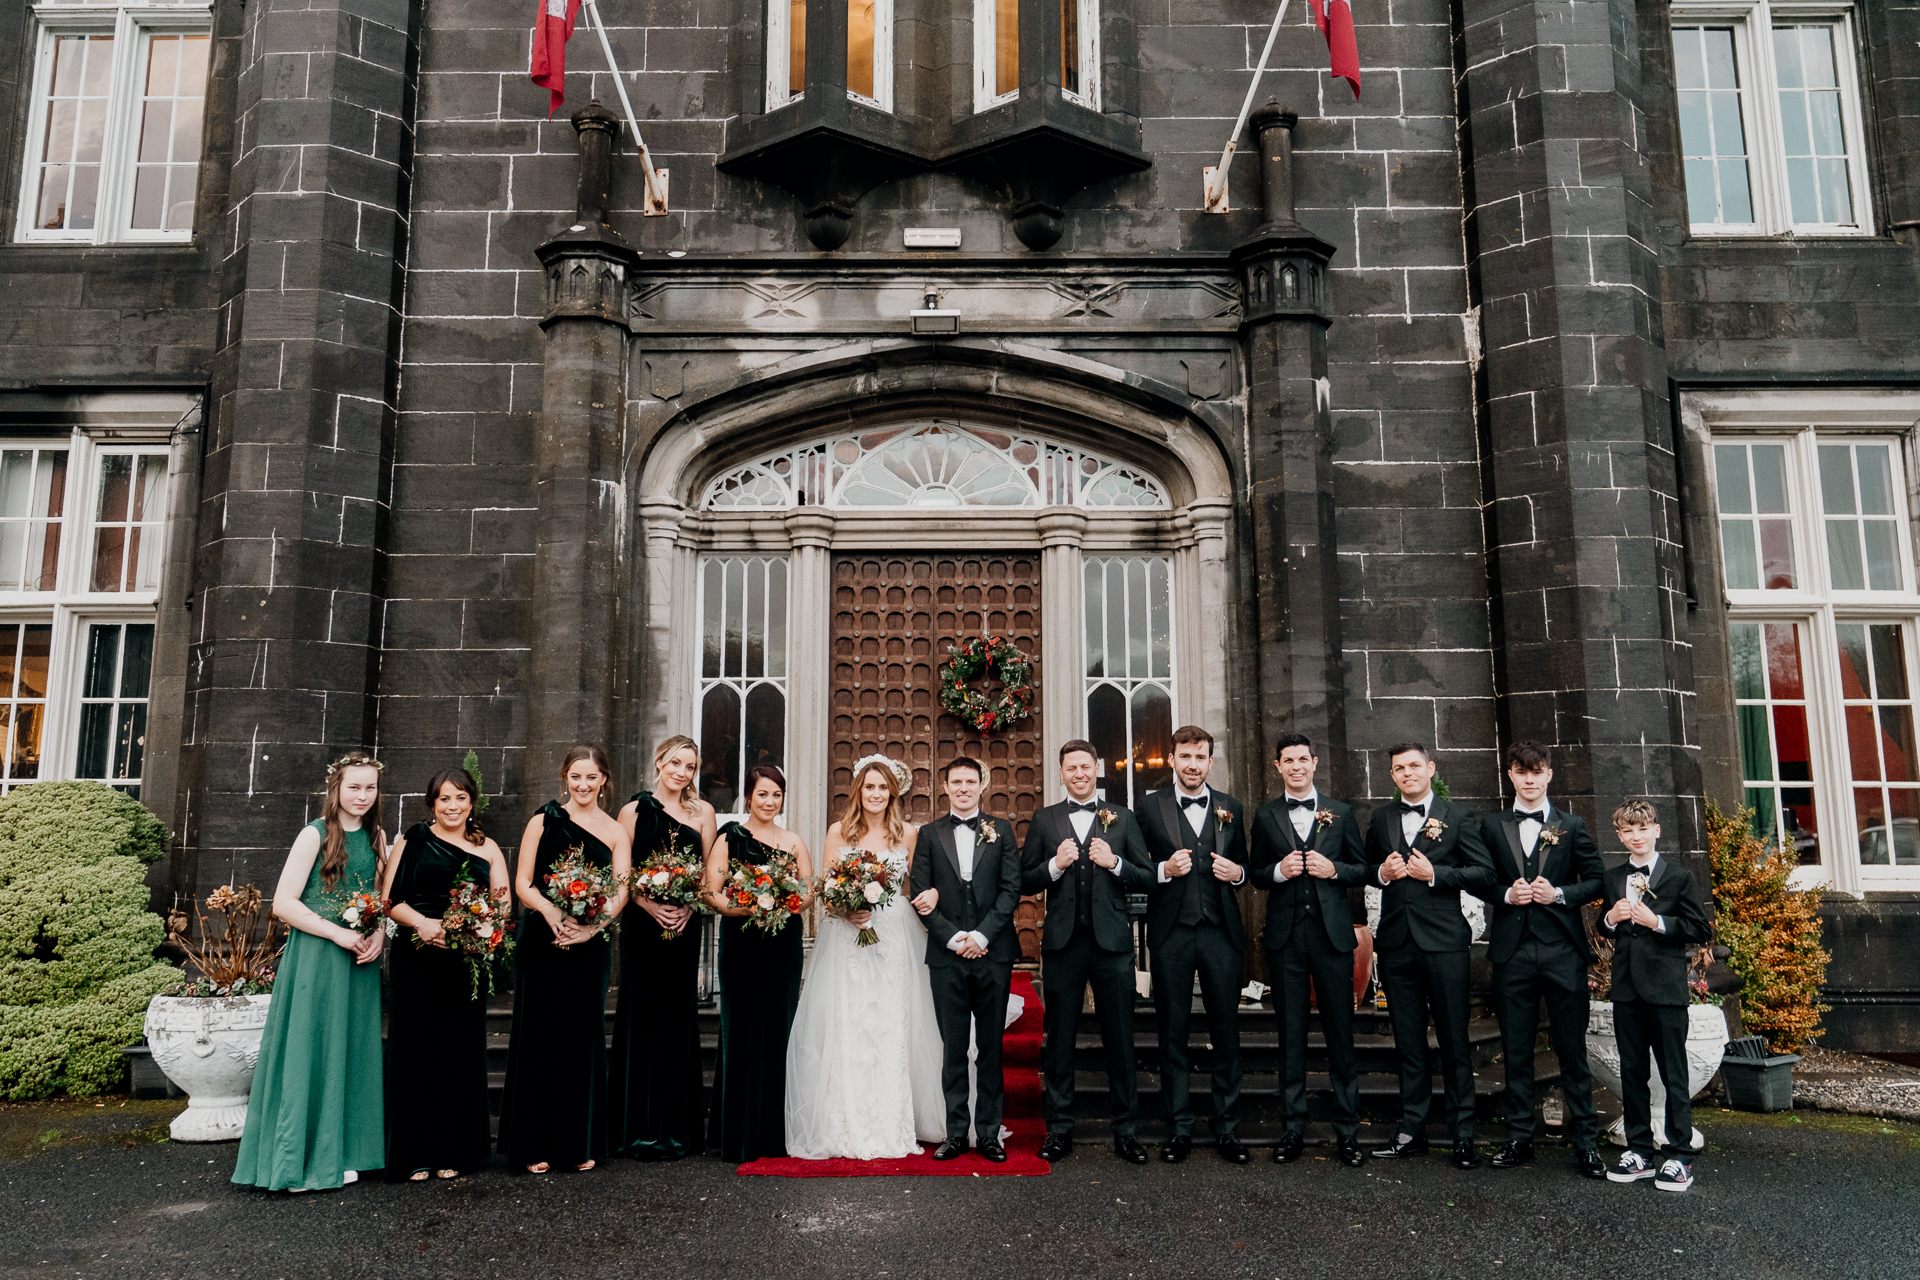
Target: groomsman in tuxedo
<point x="1086" y="857"/>
<point x="1198" y="844"/>
<point x="966" y="883"/>
<point x="1546" y="867"/>
<point x="1306" y="846"/>
<point x="1423" y="852"/>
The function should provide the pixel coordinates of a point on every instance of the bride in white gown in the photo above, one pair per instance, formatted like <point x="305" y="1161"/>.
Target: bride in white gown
<point x="863" y="1061"/>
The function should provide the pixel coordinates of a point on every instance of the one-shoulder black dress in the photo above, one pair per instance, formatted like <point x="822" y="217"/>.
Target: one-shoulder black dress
<point x="436" y="1025"/>
<point x="759" y="990"/>
<point x="555" y="1108"/>
<point x="654" y="1105"/>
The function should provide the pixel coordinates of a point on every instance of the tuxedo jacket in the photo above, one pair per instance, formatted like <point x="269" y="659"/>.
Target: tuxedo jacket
<point x="1649" y="965"/>
<point x="1274" y="838"/>
<point x="1112" y="930"/>
<point x="1571" y="863"/>
<point x="1166" y="833"/>
<point x="1413" y="912"/>
<point x="995" y="888"/>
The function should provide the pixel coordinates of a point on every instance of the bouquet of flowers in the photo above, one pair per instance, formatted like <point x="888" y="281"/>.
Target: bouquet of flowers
<point x="860" y="881"/>
<point x="671" y="878"/>
<point x="582" y="891"/>
<point x="475" y="925"/>
<point x="771" y="893"/>
<point x="362" y="913"/>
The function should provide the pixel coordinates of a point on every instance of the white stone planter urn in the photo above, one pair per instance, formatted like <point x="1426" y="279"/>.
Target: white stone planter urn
<point x="1706" y="1045"/>
<point x="208" y="1046"/>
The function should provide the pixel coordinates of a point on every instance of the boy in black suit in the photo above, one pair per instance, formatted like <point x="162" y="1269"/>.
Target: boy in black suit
<point x="1654" y="914"/>
<point x="1423" y="851"/>
<point x="1546" y="867"/>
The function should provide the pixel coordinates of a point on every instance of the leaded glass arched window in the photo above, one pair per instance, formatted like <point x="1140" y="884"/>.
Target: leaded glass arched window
<point x="934" y="464"/>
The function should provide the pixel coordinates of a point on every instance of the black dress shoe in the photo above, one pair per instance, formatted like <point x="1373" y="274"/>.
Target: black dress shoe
<point x="1512" y="1155"/>
<point x="1350" y="1154"/>
<point x="1130" y="1150"/>
<point x="1232" y="1150"/>
<point x="1587" y="1163"/>
<point x="1058" y="1146"/>
<point x="992" y="1150"/>
<point x="1401" y="1150"/>
<point x="949" y="1150"/>
<point x="1291" y="1148"/>
<point x="1466" y="1156"/>
<point x="1176" y="1151"/>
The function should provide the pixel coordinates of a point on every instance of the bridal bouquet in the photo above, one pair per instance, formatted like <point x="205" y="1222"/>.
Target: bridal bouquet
<point x="582" y="891"/>
<point x="671" y="878"/>
<point x="362" y="912"/>
<point x="771" y="893"/>
<point x="860" y="881"/>
<point x="475" y="926"/>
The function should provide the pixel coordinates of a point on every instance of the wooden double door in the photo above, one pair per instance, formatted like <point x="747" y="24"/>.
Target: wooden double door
<point x="894" y="616"/>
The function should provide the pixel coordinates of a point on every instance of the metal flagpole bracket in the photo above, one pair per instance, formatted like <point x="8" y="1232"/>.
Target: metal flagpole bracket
<point x="1214" y="189"/>
<point x="655" y="197"/>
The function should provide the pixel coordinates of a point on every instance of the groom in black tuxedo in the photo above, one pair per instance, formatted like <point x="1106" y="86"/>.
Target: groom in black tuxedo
<point x="1086" y="857"/>
<point x="1423" y="851"/>
<point x="1198" y="844"/>
<point x="966" y="884"/>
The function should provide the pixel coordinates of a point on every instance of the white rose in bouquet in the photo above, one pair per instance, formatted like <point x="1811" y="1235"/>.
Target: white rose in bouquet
<point x="873" y="891"/>
<point x="765" y="901"/>
<point x="660" y="878"/>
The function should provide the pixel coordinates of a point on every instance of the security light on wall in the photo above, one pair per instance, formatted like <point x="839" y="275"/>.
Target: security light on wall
<point x="931" y="318"/>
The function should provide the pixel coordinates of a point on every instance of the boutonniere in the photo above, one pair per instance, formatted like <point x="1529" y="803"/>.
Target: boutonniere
<point x="1549" y="835"/>
<point x="1324" y="818"/>
<point x="1224" y="816"/>
<point x="1433" y="828"/>
<point x="1107" y="818"/>
<point x="1637" y="882"/>
<point x="987" y="831"/>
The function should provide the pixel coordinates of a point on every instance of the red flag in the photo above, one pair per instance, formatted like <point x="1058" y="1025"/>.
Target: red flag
<point x="1335" y="20"/>
<point x="552" y="28"/>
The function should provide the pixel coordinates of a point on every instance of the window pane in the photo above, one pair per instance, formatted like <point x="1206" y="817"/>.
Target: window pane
<point x="1137" y="618"/>
<point x="1836" y="479"/>
<point x="719" y="749"/>
<point x="1876" y="479"/>
<point x="756" y="618"/>
<point x="36" y="644"/>
<point x="1776" y="554"/>
<point x="861" y="19"/>
<point x="1896" y="743"/>
<point x="1863" y="745"/>
<point x="1756" y="745"/>
<point x="1742" y="557"/>
<point x="1783" y="662"/>
<point x="1730" y="479"/>
<point x="103" y="659"/>
<point x="96" y="725"/>
<point x="1883" y="566"/>
<point x="713" y="593"/>
<point x="1095" y="607"/>
<point x="1749" y="679"/>
<point x="136" y="666"/>
<point x="1855" y="677"/>
<point x="1006" y="46"/>
<point x="130" y="740"/>
<point x="1770" y="479"/>
<point x="766" y="727"/>
<point x="1070" y="45"/>
<point x="731" y="640"/>
<point x="1162" y="606"/>
<point x="777" y="619"/>
<point x="1107" y="730"/>
<point x="1802" y="196"/>
<point x="1843" y="555"/>
<point x="1889" y="662"/>
<point x="1903" y="808"/>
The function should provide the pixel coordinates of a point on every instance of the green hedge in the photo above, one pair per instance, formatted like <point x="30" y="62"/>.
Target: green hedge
<point x="77" y="942"/>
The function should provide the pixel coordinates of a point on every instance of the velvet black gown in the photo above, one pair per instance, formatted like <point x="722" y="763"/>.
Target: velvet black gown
<point x="759" y="990"/>
<point x="654" y="1089"/>
<point x="555" y="1108"/>
<point x="436" y="1027"/>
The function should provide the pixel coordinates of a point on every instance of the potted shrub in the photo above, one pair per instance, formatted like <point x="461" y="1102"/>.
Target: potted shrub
<point x="205" y="1033"/>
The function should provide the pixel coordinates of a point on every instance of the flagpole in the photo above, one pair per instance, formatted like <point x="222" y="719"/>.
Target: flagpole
<point x="1214" y="190"/>
<point x="656" y="179"/>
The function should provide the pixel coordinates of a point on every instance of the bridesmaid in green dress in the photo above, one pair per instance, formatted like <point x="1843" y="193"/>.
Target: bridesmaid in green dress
<point x="554" y="1111"/>
<point x="315" y="1120"/>
<point x="655" y="1086"/>
<point x="759" y="983"/>
<point x="437" y="1117"/>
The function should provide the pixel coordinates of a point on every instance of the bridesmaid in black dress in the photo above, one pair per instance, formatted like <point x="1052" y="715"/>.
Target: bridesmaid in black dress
<point x="759" y="983"/>
<point x="437" y="1024"/>
<point x="555" y="1107"/>
<point x="655" y="1086"/>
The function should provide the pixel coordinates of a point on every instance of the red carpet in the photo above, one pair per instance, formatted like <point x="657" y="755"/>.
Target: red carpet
<point x="1020" y="1067"/>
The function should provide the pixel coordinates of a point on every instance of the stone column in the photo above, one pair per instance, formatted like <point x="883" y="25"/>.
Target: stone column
<point x="1208" y="588"/>
<point x="667" y="695"/>
<point x="809" y="669"/>
<point x="579" y="481"/>
<point x="1282" y="267"/>
<point x="1063" y="663"/>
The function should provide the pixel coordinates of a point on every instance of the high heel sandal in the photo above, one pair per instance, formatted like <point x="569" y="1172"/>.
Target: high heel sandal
<point x="583" y="1168"/>
<point x="540" y="1166"/>
<point x="446" y="1174"/>
<point x="420" y="1176"/>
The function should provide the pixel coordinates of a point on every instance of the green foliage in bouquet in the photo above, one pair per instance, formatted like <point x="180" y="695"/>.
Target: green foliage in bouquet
<point x="77" y="942"/>
<point x="1772" y="931"/>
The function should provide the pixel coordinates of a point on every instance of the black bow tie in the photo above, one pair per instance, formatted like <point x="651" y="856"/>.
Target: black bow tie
<point x="1300" y="804"/>
<point x="1074" y="806"/>
<point x="1190" y="801"/>
<point x="1420" y="808"/>
<point x="973" y="823"/>
<point x="1524" y="814"/>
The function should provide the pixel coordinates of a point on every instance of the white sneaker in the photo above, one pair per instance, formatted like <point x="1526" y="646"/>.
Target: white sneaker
<point x="1674" y="1175"/>
<point x="348" y="1178"/>
<point x="1632" y="1167"/>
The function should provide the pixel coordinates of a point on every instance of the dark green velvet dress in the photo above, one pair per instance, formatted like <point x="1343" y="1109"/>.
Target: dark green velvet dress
<point x="759" y="990"/>
<point x="655" y="1086"/>
<point x="436" y="1025"/>
<point x="555" y="1108"/>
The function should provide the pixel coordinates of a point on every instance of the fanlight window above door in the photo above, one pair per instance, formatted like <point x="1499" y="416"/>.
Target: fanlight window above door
<point x="934" y="464"/>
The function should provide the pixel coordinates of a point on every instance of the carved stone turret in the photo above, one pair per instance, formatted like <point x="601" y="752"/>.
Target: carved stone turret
<point x="1283" y="266"/>
<point x="588" y="265"/>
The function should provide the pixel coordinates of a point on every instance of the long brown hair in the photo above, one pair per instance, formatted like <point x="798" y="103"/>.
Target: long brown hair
<point x="853" y="823"/>
<point x="689" y="797"/>
<point x="333" y="845"/>
<point x="461" y="781"/>
<point x="597" y="754"/>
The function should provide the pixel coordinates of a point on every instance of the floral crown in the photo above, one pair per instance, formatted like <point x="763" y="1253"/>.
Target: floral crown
<point x="901" y="776"/>
<point x="353" y="760"/>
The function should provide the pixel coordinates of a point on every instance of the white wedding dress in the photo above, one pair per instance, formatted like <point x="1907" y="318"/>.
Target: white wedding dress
<point x="863" y="1061"/>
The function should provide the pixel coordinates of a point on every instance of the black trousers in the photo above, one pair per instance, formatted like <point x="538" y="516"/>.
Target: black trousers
<point x="1659" y="1029"/>
<point x="1553" y="972"/>
<point x="1064" y="977"/>
<point x="1204" y="949"/>
<point x="1308" y="955"/>
<point x="1418" y="982"/>
<point x="971" y="995"/>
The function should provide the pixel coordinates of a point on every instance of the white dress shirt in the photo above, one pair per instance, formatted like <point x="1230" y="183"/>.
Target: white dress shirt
<point x="1194" y="817"/>
<point x="1410" y="824"/>
<point x="964" y="839"/>
<point x="1302" y="820"/>
<point x="1530" y="829"/>
<point x="1082" y="822"/>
